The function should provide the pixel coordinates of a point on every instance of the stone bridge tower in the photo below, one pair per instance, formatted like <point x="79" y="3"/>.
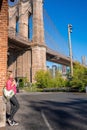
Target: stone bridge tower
<point x="38" y="44"/>
<point x="35" y="52"/>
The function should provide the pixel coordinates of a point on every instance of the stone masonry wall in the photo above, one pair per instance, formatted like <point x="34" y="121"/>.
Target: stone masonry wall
<point x="24" y="64"/>
<point x="38" y="44"/>
<point x="28" y="63"/>
<point x="38" y="60"/>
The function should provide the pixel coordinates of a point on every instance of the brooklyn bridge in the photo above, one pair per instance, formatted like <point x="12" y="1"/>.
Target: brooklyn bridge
<point x="26" y="55"/>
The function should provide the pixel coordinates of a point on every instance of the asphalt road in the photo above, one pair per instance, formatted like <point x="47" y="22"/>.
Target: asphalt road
<point x="51" y="111"/>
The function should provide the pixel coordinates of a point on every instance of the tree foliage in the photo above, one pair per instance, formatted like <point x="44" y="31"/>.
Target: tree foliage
<point x="79" y="79"/>
<point x="44" y="79"/>
<point x="78" y="82"/>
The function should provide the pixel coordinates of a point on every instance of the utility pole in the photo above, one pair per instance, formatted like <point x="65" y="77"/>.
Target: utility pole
<point x="70" y="48"/>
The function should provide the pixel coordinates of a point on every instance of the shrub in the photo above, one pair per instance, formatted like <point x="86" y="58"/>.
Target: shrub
<point x="23" y="82"/>
<point x="44" y="80"/>
<point x="79" y="80"/>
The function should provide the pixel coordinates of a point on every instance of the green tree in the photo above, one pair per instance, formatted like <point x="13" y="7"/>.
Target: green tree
<point x="79" y="79"/>
<point x="42" y="78"/>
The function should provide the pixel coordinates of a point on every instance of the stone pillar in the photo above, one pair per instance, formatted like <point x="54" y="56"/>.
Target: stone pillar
<point x="38" y="59"/>
<point x="12" y="19"/>
<point x="3" y="58"/>
<point x="27" y="64"/>
<point x="12" y="62"/>
<point x="38" y="44"/>
<point x="23" y="64"/>
<point x="19" y="65"/>
<point x="23" y="19"/>
<point x="38" y="27"/>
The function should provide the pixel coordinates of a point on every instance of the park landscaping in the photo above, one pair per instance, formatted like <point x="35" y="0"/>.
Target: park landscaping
<point x="45" y="81"/>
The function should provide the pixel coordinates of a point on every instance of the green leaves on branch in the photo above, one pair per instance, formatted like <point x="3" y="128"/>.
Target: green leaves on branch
<point x="80" y="77"/>
<point x="44" y="80"/>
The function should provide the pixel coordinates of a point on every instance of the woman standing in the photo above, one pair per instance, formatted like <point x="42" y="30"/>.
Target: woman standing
<point x="11" y="85"/>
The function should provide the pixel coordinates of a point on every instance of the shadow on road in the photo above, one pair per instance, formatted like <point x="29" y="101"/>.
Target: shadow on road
<point x="65" y="114"/>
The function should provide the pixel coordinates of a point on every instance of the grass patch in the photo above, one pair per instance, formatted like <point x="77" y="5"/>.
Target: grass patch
<point x="32" y="89"/>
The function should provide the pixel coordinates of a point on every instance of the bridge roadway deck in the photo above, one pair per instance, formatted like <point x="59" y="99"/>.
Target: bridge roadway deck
<point x="17" y="42"/>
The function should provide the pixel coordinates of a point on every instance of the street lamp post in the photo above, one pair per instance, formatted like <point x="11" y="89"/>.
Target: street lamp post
<point x="70" y="48"/>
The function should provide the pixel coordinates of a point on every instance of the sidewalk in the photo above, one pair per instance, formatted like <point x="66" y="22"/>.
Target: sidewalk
<point x="21" y="115"/>
<point x="2" y="128"/>
<point x="28" y="118"/>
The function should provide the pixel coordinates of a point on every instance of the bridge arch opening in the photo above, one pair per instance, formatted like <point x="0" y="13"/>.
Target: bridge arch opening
<point x="17" y="25"/>
<point x="30" y="24"/>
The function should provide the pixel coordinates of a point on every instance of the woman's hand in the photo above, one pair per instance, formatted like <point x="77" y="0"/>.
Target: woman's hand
<point x="14" y="83"/>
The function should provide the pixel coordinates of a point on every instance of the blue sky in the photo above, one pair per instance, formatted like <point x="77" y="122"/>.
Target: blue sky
<point x="64" y="12"/>
<point x="60" y="14"/>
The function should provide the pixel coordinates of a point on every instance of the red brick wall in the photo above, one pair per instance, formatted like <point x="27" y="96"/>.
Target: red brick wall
<point x="3" y="43"/>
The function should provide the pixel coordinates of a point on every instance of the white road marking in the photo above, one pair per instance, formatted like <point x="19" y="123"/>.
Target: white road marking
<point x="46" y="121"/>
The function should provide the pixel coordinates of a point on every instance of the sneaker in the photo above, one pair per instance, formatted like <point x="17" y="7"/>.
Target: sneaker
<point x="15" y="123"/>
<point x="10" y="122"/>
